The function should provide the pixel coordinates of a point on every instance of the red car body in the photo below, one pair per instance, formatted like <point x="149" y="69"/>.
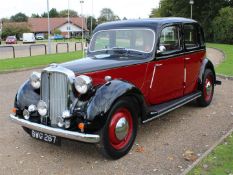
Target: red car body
<point x="134" y="71"/>
<point x="11" y="40"/>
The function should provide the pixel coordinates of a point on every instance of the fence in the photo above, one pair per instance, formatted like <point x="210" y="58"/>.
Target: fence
<point x="23" y="50"/>
<point x="36" y="45"/>
<point x="13" y="49"/>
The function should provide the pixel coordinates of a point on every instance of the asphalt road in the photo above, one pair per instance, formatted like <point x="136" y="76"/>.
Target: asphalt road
<point x="158" y="149"/>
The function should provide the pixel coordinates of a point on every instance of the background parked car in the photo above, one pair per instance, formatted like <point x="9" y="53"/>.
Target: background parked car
<point x="58" y="37"/>
<point x="40" y="36"/>
<point x="11" y="40"/>
<point x="29" y="38"/>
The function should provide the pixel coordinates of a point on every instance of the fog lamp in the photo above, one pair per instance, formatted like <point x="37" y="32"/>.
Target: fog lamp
<point x="66" y="114"/>
<point x="42" y="108"/>
<point x="26" y="114"/>
<point x="67" y="124"/>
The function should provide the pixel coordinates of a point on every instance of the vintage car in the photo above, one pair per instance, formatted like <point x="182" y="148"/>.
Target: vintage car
<point x="135" y="71"/>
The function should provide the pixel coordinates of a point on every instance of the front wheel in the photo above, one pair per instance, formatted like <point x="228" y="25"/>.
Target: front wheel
<point x="120" y="130"/>
<point x="207" y="89"/>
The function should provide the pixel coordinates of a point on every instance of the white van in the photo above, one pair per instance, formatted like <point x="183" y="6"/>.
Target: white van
<point x="29" y="38"/>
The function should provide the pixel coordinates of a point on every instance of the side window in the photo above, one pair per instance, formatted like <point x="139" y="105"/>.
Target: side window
<point x="191" y="36"/>
<point x="170" y="40"/>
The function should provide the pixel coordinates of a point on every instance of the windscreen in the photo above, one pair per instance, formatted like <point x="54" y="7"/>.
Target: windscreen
<point x="141" y="40"/>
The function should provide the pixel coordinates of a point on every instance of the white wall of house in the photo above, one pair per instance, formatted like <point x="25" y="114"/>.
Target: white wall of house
<point x="73" y="28"/>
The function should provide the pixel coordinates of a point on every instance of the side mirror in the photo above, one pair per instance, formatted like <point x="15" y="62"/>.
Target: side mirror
<point x="161" y="49"/>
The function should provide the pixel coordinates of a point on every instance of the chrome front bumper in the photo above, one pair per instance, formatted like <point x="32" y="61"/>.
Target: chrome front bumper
<point x="88" y="138"/>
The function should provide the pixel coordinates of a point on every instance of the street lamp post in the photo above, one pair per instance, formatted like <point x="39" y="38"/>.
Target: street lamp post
<point x="191" y="2"/>
<point x="68" y="19"/>
<point x="49" y="31"/>
<point x="81" y="2"/>
<point x="91" y="15"/>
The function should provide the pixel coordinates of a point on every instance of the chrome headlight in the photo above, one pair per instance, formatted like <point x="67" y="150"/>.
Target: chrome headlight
<point x="83" y="83"/>
<point x="35" y="80"/>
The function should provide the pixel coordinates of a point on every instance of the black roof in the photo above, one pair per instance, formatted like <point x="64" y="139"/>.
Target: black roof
<point x="152" y="23"/>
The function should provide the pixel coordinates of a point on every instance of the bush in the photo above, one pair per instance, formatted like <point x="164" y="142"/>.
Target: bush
<point x="223" y="26"/>
<point x="16" y="29"/>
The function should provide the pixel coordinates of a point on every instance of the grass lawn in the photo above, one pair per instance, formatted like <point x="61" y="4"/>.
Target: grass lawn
<point x="37" y="61"/>
<point x="226" y="67"/>
<point x="218" y="162"/>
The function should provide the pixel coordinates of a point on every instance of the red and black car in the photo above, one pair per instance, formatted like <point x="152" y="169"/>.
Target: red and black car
<point x="135" y="71"/>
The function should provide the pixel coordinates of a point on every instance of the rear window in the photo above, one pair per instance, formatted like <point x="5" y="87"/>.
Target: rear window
<point x="191" y="36"/>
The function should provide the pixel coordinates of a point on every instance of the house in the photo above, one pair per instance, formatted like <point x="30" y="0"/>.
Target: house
<point x="40" y="25"/>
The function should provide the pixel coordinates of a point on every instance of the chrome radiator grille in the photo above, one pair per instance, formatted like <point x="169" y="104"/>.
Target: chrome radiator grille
<point x="54" y="91"/>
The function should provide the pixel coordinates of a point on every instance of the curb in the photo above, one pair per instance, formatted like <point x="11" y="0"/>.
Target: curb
<point x="186" y="171"/>
<point x="225" y="77"/>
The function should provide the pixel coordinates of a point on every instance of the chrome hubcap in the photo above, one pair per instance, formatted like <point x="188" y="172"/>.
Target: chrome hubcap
<point x="208" y="88"/>
<point x="122" y="128"/>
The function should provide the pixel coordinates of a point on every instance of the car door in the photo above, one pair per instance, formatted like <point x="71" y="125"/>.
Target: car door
<point x="195" y="53"/>
<point x="167" y="70"/>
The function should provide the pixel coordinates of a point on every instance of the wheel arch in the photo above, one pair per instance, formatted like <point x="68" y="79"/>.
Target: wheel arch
<point x="108" y="94"/>
<point x="206" y="64"/>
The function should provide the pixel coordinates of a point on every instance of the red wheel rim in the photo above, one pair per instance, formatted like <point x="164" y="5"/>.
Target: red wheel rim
<point x="120" y="115"/>
<point x="208" y="88"/>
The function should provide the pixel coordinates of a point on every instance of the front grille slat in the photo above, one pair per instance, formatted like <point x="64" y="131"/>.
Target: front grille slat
<point x="54" y="92"/>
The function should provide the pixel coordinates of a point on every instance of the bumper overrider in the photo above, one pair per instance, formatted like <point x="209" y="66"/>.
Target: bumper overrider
<point x="77" y="136"/>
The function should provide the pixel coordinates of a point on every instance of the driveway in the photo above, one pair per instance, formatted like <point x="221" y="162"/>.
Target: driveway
<point x="158" y="149"/>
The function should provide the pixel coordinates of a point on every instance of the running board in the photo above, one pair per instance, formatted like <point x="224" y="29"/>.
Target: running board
<point x="161" y="109"/>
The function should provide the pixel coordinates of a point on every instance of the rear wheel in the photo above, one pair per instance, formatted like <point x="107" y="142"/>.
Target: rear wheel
<point x="120" y="130"/>
<point x="207" y="89"/>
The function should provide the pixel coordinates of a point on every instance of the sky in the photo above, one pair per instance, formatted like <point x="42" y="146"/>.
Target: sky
<point x="130" y="9"/>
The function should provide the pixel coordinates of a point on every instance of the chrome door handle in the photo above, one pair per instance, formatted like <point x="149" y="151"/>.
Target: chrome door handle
<point x="187" y="59"/>
<point x="158" y="65"/>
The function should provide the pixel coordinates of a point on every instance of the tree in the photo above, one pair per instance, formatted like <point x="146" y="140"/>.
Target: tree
<point x="106" y="15"/>
<point x="203" y="11"/>
<point x="16" y="29"/>
<point x="94" y="23"/>
<point x="19" y="17"/>
<point x="44" y="15"/>
<point x="223" y="26"/>
<point x="64" y="13"/>
<point x="35" y="15"/>
<point x="53" y="13"/>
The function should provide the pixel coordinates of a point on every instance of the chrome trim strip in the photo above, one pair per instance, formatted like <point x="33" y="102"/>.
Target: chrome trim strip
<point x="88" y="138"/>
<point x="152" y="79"/>
<point x="182" y="104"/>
<point x="185" y="75"/>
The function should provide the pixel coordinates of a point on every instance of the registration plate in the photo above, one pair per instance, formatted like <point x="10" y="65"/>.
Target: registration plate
<point x="46" y="137"/>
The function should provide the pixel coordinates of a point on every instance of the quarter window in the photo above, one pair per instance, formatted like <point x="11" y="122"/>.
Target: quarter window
<point x="170" y="40"/>
<point x="191" y="36"/>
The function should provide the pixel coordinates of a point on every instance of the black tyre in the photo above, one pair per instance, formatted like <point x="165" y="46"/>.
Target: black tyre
<point x="120" y="130"/>
<point x="207" y="89"/>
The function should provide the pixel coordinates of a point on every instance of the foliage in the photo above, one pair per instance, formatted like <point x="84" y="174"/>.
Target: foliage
<point x="64" y="13"/>
<point x="107" y="15"/>
<point x="94" y="23"/>
<point x="34" y="15"/>
<point x="36" y="61"/>
<point x="225" y="67"/>
<point x="203" y="11"/>
<point x="220" y="161"/>
<point x="16" y="29"/>
<point x="57" y="32"/>
<point x="19" y="17"/>
<point x="223" y="26"/>
<point x="53" y="13"/>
